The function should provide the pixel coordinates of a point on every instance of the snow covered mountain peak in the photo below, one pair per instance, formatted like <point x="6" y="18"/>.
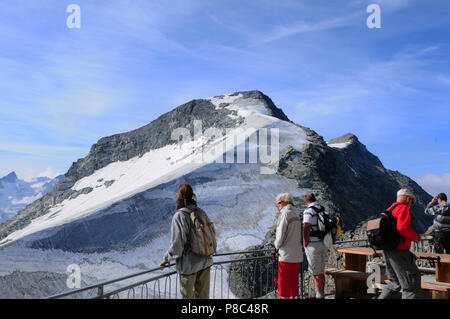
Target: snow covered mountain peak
<point x="120" y="166"/>
<point x="245" y="103"/>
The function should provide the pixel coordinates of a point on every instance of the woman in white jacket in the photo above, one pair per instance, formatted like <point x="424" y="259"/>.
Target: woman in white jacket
<point x="288" y="242"/>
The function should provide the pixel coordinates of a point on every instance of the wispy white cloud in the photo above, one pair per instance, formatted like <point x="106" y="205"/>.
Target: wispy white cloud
<point x="284" y="31"/>
<point x="414" y="53"/>
<point x="330" y="101"/>
<point x="445" y="79"/>
<point x="71" y="87"/>
<point x="340" y="93"/>
<point x="29" y="173"/>
<point x="435" y="184"/>
<point x="30" y="160"/>
<point x="94" y="102"/>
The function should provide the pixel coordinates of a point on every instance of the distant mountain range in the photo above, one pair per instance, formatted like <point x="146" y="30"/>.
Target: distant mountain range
<point x="16" y="194"/>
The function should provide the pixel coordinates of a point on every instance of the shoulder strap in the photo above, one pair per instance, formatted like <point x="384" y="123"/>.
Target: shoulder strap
<point x="318" y="210"/>
<point x="185" y="210"/>
<point x="188" y="210"/>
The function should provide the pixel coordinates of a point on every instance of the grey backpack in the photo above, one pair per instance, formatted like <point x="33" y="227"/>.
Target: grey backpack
<point x="202" y="236"/>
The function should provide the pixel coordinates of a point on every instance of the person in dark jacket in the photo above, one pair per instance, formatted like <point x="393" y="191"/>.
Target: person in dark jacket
<point x="194" y="269"/>
<point x="440" y="209"/>
<point x="401" y="268"/>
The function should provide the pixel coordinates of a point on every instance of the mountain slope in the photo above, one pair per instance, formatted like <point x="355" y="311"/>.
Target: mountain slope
<point x="152" y="137"/>
<point x="97" y="181"/>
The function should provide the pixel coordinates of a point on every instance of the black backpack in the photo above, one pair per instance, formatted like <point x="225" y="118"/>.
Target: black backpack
<point x="325" y="224"/>
<point x="382" y="232"/>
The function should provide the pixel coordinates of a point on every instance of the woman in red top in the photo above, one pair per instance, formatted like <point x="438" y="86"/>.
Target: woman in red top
<point x="403" y="215"/>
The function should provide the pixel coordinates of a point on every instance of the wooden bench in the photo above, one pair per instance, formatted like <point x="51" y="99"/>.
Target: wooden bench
<point x="344" y="281"/>
<point x="423" y="270"/>
<point x="345" y="288"/>
<point x="355" y="258"/>
<point x="439" y="290"/>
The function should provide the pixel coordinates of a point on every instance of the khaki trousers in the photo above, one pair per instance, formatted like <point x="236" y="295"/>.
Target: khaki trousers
<point x="195" y="285"/>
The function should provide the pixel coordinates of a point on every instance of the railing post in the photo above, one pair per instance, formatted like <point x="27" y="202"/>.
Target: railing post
<point x="100" y="292"/>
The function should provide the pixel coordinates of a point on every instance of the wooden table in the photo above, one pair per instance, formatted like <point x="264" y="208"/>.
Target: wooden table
<point x="355" y="258"/>
<point x="352" y="280"/>
<point x="442" y="271"/>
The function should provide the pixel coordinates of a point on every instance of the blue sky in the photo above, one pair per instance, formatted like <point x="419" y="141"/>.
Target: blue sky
<point x="63" y="89"/>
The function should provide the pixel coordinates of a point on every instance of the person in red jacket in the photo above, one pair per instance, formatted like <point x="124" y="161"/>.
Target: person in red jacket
<point x="401" y="268"/>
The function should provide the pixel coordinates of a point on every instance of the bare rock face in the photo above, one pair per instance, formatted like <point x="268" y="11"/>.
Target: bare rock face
<point x="350" y="181"/>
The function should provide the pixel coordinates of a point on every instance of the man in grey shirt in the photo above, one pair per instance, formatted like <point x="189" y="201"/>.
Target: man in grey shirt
<point x="439" y="208"/>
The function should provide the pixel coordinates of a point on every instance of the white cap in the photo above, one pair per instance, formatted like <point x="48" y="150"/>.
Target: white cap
<point x="405" y="192"/>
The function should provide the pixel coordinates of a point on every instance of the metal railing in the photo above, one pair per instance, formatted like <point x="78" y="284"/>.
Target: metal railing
<point x="258" y="270"/>
<point x="250" y="275"/>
